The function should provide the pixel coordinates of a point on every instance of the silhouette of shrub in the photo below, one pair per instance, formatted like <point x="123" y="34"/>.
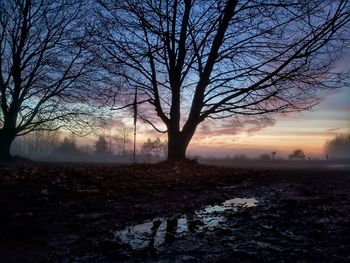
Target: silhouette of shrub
<point x="297" y="154"/>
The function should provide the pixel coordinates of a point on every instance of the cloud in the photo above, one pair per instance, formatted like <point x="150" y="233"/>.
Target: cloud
<point x="260" y="124"/>
<point x="333" y="129"/>
<point x="215" y="128"/>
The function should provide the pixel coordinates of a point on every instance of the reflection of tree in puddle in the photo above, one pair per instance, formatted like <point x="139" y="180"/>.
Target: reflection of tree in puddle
<point x="154" y="230"/>
<point x="171" y="228"/>
<point x="162" y="231"/>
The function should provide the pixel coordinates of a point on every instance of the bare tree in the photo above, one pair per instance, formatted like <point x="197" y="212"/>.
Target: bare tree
<point x="150" y="147"/>
<point x="123" y="138"/>
<point x="101" y="146"/>
<point x="273" y="155"/>
<point x="36" y="144"/>
<point x="297" y="154"/>
<point x="43" y="62"/>
<point x="339" y="147"/>
<point x="193" y="59"/>
<point x="107" y="129"/>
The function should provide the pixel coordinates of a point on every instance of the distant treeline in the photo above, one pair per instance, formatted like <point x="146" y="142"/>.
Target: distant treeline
<point x="53" y="146"/>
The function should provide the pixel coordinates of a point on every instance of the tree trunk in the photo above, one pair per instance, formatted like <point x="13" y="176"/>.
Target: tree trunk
<point x="177" y="144"/>
<point x="6" y="139"/>
<point x="176" y="148"/>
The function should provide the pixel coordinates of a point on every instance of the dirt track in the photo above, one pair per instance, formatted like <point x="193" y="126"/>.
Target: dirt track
<point x="76" y="212"/>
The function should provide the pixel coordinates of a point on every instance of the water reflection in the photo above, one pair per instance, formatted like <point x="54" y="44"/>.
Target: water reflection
<point x="160" y="231"/>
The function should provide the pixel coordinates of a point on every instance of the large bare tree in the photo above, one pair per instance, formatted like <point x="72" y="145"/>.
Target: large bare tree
<point x="197" y="59"/>
<point x="42" y="62"/>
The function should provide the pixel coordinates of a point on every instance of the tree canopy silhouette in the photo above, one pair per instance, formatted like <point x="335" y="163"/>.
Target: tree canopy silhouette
<point x="339" y="147"/>
<point x="101" y="146"/>
<point x="192" y="60"/>
<point x="297" y="154"/>
<point x="43" y="60"/>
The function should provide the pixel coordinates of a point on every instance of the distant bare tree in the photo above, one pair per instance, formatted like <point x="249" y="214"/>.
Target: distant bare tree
<point x="297" y="154"/>
<point x="339" y="147"/>
<point x="123" y="138"/>
<point x="67" y="147"/>
<point x="273" y="155"/>
<point x="150" y="147"/>
<point x="43" y="62"/>
<point x="193" y="59"/>
<point x="107" y="130"/>
<point x="36" y="144"/>
<point x="101" y="146"/>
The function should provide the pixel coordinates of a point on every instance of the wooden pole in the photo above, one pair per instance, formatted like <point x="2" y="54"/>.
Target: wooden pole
<point x="135" y="121"/>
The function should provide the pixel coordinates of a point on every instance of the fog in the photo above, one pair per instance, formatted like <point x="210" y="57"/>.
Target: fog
<point x="51" y="147"/>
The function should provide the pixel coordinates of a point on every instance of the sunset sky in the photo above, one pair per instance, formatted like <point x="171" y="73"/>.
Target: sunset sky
<point x="307" y="130"/>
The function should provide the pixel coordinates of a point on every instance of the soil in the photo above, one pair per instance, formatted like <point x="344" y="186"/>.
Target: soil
<point x="52" y="212"/>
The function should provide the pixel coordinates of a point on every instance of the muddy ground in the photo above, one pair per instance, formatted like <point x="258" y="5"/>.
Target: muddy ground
<point x="180" y="212"/>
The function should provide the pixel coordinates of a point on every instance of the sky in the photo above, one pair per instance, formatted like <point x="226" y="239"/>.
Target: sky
<point x="307" y="130"/>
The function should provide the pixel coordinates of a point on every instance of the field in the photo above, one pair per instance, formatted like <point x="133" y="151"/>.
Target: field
<point x="179" y="212"/>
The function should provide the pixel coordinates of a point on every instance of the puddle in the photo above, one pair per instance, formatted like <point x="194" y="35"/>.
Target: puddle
<point x="162" y="231"/>
<point x="339" y="166"/>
